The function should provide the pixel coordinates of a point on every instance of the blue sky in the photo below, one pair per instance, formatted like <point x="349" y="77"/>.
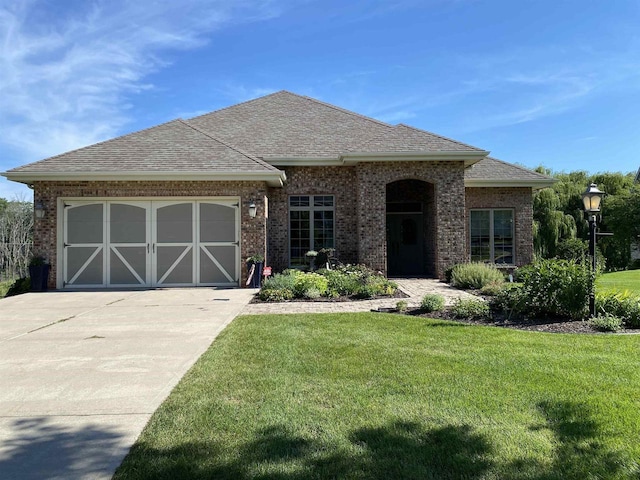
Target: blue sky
<point x="536" y="82"/>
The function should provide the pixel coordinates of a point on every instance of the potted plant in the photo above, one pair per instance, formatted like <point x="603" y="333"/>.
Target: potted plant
<point x="255" y="263"/>
<point x="39" y="273"/>
<point x="311" y="258"/>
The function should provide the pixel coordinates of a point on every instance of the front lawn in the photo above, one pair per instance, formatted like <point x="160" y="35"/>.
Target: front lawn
<point x="377" y="396"/>
<point x="626" y="280"/>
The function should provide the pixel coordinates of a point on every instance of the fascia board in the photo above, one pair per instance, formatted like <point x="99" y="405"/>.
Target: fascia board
<point x="468" y="157"/>
<point x="492" y="182"/>
<point x="273" y="179"/>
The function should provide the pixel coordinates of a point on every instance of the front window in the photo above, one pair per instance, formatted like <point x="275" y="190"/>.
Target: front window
<point x="311" y="225"/>
<point x="491" y="233"/>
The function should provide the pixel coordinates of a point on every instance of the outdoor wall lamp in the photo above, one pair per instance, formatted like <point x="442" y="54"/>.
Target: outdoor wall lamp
<point x="591" y="199"/>
<point x="252" y="209"/>
<point x="39" y="209"/>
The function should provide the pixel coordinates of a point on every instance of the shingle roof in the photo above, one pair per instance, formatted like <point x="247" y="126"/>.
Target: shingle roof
<point x="284" y="124"/>
<point x="173" y="146"/>
<point x="492" y="169"/>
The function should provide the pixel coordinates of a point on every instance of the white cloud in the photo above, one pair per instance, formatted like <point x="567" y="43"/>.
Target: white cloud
<point x="66" y="70"/>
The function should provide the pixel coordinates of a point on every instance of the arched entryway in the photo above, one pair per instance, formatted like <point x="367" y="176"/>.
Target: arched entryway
<point x="411" y="228"/>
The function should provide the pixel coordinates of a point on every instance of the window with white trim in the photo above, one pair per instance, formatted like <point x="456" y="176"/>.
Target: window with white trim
<point x="491" y="234"/>
<point x="311" y="225"/>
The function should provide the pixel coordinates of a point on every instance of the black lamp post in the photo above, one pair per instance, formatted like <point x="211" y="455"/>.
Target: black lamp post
<point x="591" y="199"/>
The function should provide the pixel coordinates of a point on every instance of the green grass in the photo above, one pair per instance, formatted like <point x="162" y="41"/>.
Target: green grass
<point x="626" y="280"/>
<point x="375" y="396"/>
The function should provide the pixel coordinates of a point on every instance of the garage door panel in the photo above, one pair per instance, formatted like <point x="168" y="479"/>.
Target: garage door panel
<point x="217" y="223"/>
<point x="175" y="265"/>
<point x="174" y="223"/>
<point x="85" y="266"/>
<point x="85" y="224"/>
<point x="218" y="264"/>
<point x="127" y="223"/>
<point x="127" y="265"/>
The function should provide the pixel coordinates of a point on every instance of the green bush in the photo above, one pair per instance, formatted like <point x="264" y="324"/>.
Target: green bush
<point x="402" y="306"/>
<point x="340" y="283"/>
<point x="622" y="305"/>
<point x="275" y="295"/>
<point x="21" y="285"/>
<point x="510" y="299"/>
<point x="470" y="309"/>
<point x="475" y="275"/>
<point x="307" y="281"/>
<point x="279" y="287"/>
<point x="312" y="293"/>
<point x="606" y="323"/>
<point x="555" y="287"/>
<point x="432" y="302"/>
<point x="492" y="289"/>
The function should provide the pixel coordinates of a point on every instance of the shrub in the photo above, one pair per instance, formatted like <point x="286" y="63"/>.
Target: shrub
<point x="510" y="299"/>
<point x="432" y="302"/>
<point x="621" y="305"/>
<point x="279" y="287"/>
<point x="358" y="281"/>
<point x="340" y="283"/>
<point x="21" y="285"/>
<point x="606" y="323"/>
<point x="307" y="281"/>
<point x="312" y="293"/>
<point x="275" y="295"/>
<point x="475" y="275"/>
<point x="470" y="309"/>
<point x="577" y="250"/>
<point x="492" y="289"/>
<point x="556" y="287"/>
<point x="402" y="306"/>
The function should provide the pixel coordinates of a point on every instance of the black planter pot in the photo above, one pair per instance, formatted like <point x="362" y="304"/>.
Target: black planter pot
<point x="39" y="275"/>
<point x="257" y="274"/>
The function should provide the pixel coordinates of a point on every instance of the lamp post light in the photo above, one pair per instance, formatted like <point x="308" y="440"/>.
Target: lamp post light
<point x="591" y="199"/>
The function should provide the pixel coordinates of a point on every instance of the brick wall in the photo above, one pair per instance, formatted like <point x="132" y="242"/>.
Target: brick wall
<point x="337" y="181"/>
<point x="252" y="233"/>
<point x="448" y="184"/>
<point x="521" y="200"/>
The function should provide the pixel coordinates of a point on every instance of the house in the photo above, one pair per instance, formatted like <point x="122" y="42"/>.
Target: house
<point x="185" y="202"/>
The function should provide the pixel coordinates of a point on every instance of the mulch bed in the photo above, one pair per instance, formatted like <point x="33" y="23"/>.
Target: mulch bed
<point x="548" y="325"/>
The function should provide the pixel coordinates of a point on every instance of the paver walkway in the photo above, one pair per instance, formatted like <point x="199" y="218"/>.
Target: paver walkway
<point x="415" y="288"/>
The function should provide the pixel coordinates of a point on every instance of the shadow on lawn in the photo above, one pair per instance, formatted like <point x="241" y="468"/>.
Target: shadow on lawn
<point x="400" y="450"/>
<point x="580" y="452"/>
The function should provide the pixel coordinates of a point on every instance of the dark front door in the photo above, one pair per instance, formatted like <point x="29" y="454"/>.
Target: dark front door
<point x="405" y="244"/>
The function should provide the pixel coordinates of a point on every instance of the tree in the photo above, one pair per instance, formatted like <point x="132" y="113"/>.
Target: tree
<point x="16" y="237"/>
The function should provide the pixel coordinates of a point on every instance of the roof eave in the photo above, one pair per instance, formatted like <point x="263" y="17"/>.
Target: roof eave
<point x="353" y="158"/>
<point x="536" y="184"/>
<point x="273" y="179"/>
<point x="469" y="158"/>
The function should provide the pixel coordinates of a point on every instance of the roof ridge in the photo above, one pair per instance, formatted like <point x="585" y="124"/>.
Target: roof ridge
<point x="238" y="104"/>
<point x="241" y="152"/>
<point x="520" y="167"/>
<point x="99" y="143"/>
<point x="439" y="136"/>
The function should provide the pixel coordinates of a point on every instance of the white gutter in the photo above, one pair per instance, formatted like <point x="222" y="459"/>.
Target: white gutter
<point x="273" y="179"/>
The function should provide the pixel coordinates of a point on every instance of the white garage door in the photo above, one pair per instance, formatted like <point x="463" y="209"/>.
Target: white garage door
<point x="121" y="243"/>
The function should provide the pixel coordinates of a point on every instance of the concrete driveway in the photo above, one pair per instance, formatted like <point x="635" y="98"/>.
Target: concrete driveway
<point x="82" y="372"/>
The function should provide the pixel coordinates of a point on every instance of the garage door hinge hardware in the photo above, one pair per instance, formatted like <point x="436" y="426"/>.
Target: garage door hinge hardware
<point x="237" y="244"/>
<point x="235" y="205"/>
<point x="65" y="245"/>
<point x="64" y="205"/>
